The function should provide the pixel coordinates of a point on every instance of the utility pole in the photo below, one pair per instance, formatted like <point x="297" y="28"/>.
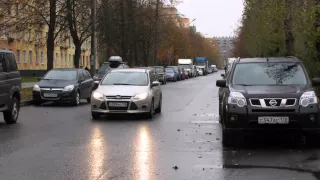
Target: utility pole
<point x="93" y="37"/>
<point x="156" y="34"/>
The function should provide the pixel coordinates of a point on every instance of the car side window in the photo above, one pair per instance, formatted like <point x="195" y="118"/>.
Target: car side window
<point x="12" y="65"/>
<point x="87" y="74"/>
<point x="3" y="65"/>
<point x="81" y="76"/>
<point x="151" y="76"/>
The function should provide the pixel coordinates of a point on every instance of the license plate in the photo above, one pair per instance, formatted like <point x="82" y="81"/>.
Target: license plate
<point x="50" y="95"/>
<point x="118" y="104"/>
<point x="273" y="120"/>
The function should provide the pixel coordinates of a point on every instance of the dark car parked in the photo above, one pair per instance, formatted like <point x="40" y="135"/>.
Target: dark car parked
<point x="64" y="85"/>
<point x="114" y="62"/>
<point x="177" y="71"/>
<point x="171" y="74"/>
<point x="10" y="87"/>
<point x="161" y="74"/>
<point x="269" y="94"/>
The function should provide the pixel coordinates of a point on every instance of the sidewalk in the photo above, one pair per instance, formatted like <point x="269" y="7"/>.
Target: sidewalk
<point x="28" y="85"/>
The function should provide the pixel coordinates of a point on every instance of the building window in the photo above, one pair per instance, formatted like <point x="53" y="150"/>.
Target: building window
<point x="65" y="58"/>
<point x="61" y="58"/>
<point x="30" y="57"/>
<point x="87" y="60"/>
<point x="57" y="58"/>
<point x="37" y="57"/>
<point x="69" y="59"/>
<point x="18" y="56"/>
<point x="24" y="35"/>
<point x="24" y="56"/>
<point x="18" y="35"/>
<point x="30" y="35"/>
<point x="42" y="58"/>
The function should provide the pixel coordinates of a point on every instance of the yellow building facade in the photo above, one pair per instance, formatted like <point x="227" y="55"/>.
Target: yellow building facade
<point x="29" y="47"/>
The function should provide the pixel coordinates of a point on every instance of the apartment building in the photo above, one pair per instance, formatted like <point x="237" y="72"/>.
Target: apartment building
<point x="226" y="46"/>
<point x="29" y="47"/>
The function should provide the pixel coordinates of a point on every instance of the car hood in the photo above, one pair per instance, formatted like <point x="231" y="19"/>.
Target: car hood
<point x="122" y="90"/>
<point x="270" y="90"/>
<point x="55" y="83"/>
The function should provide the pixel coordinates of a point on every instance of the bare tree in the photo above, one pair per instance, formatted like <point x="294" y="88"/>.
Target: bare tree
<point x="79" y="23"/>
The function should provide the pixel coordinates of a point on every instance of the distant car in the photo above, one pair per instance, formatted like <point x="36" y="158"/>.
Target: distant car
<point x="10" y="87"/>
<point x="127" y="91"/>
<point x="113" y="63"/>
<point x="200" y="71"/>
<point x="268" y="95"/>
<point x="171" y="75"/>
<point x="63" y="85"/>
<point x="181" y="72"/>
<point x="161" y="74"/>
<point x="177" y="71"/>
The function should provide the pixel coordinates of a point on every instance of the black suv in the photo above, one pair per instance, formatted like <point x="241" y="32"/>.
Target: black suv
<point x="268" y="94"/>
<point x="10" y="87"/>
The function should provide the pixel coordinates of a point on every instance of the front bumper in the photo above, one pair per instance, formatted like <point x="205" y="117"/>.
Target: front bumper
<point x="170" y="78"/>
<point x="133" y="106"/>
<point x="62" y="96"/>
<point x="246" y="118"/>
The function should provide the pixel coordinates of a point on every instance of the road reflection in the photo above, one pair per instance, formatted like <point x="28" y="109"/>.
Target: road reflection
<point x="143" y="157"/>
<point x="97" y="153"/>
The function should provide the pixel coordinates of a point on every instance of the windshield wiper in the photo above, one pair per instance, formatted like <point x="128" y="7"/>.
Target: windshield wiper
<point x="120" y="84"/>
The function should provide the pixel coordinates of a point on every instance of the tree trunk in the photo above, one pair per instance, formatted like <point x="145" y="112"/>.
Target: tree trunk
<point x="288" y="27"/>
<point x="317" y="27"/>
<point x="77" y="54"/>
<point x="51" y="31"/>
<point x="123" y="54"/>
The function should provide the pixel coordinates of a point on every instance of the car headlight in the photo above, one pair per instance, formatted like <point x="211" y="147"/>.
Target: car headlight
<point x="68" y="88"/>
<point x="308" y="98"/>
<point x="237" y="98"/>
<point x="97" y="95"/>
<point x="36" y="87"/>
<point x="141" y="96"/>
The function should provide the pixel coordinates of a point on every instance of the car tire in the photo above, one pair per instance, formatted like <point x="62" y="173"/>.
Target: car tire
<point x="151" y="112"/>
<point x="95" y="115"/>
<point x="76" y="99"/>
<point x="11" y="115"/>
<point x="158" y="110"/>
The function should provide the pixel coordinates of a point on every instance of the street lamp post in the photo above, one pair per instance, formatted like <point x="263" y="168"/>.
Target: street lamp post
<point x="185" y="40"/>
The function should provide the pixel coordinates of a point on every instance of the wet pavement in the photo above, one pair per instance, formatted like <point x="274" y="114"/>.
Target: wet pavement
<point x="184" y="142"/>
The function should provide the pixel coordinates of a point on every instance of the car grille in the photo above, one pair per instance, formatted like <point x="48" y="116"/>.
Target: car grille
<point x="118" y="97"/>
<point x="272" y="102"/>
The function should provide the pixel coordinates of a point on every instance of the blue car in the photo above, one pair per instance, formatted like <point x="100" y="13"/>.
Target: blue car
<point x="171" y="75"/>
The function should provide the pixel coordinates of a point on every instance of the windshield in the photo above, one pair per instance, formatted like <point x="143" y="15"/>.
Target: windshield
<point x="159" y="70"/>
<point x="269" y="74"/>
<point x="169" y="70"/>
<point x="186" y="66"/>
<point x="70" y="75"/>
<point x="104" y="69"/>
<point x="126" y="78"/>
<point x="200" y="63"/>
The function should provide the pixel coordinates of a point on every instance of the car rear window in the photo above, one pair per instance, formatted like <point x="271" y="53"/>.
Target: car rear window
<point x="269" y="74"/>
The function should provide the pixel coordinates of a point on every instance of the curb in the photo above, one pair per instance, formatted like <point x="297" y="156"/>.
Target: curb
<point x="26" y="103"/>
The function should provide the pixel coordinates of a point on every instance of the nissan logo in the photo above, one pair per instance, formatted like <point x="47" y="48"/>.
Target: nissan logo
<point x="273" y="102"/>
<point x="118" y="97"/>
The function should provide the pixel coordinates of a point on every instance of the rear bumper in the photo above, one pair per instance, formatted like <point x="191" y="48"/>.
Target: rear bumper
<point x="246" y="119"/>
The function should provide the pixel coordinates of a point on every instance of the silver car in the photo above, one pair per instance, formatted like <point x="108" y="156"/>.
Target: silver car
<point x="127" y="91"/>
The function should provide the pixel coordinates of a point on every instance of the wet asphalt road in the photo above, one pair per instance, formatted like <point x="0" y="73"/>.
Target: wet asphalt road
<point x="61" y="143"/>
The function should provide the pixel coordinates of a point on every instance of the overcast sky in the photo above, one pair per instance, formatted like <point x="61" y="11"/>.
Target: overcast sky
<point x="213" y="17"/>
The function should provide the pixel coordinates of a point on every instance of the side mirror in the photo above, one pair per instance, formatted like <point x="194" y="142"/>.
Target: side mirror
<point x="221" y="83"/>
<point x="316" y="81"/>
<point x="223" y="75"/>
<point x="155" y="83"/>
<point x="39" y="78"/>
